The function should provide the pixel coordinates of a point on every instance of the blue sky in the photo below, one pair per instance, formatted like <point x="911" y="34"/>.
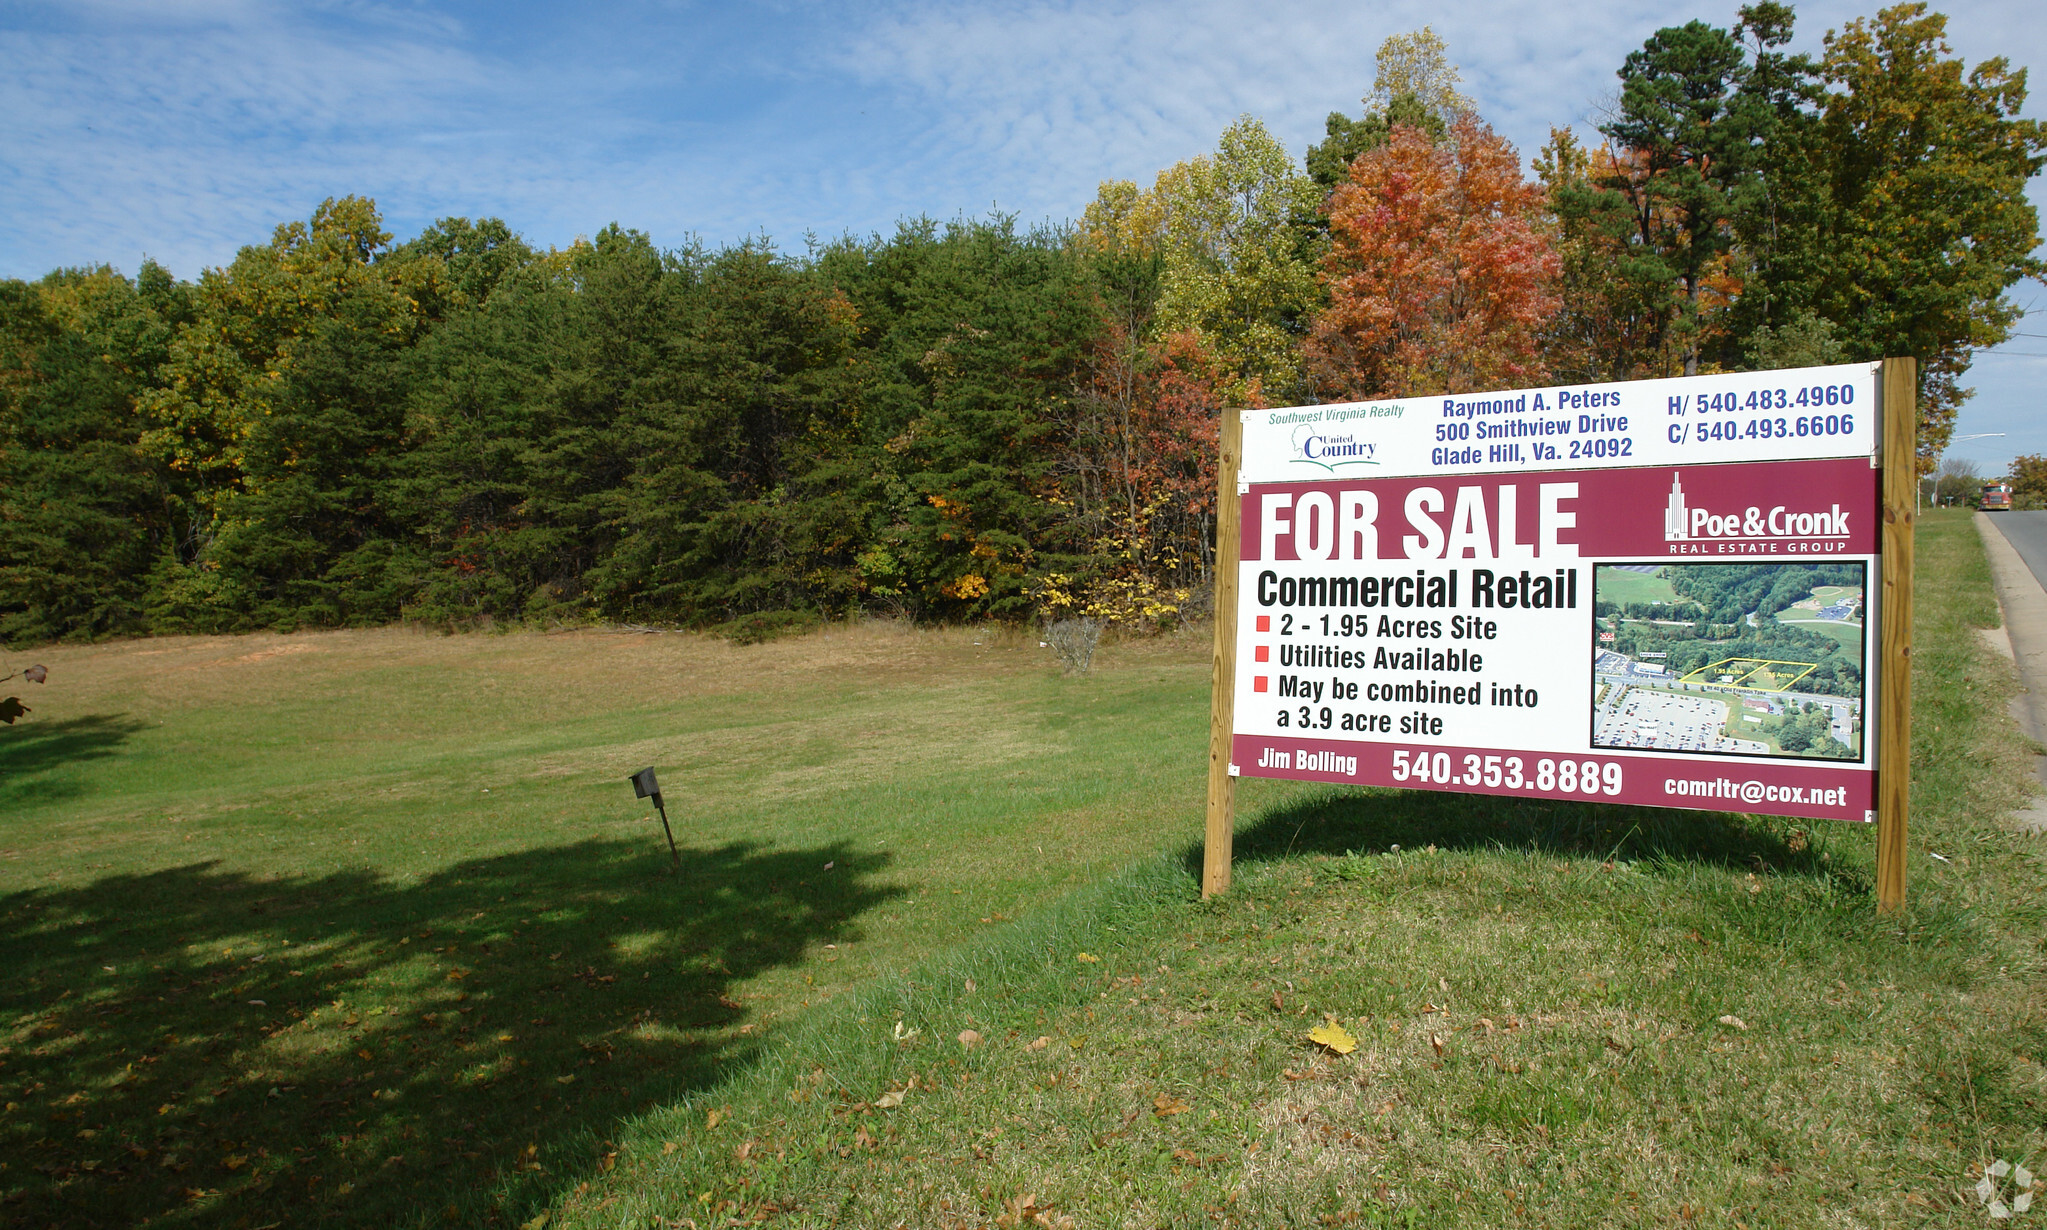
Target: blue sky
<point x="182" y="130"/>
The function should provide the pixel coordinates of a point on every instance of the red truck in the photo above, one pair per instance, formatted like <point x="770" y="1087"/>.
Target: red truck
<point x="1996" y="497"/>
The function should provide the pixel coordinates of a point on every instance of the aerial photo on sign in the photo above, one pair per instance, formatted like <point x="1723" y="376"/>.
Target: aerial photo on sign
<point x="1729" y="659"/>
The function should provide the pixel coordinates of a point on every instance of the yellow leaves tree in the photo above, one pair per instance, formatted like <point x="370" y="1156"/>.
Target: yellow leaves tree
<point x="226" y="371"/>
<point x="1234" y="237"/>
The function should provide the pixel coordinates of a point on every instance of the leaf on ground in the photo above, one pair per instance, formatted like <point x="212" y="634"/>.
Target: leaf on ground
<point x="890" y="1100"/>
<point x="1437" y="1042"/>
<point x="969" y="1037"/>
<point x="1166" y="1104"/>
<point x="1333" y="1036"/>
<point x="970" y="986"/>
<point x="1734" y="1021"/>
<point x="1088" y="957"/>
<point x="668" y="1147"/>
<point x="1038" y="1044"/>
<point x="538" y="1221"/>
<point x="713" y="1119"/>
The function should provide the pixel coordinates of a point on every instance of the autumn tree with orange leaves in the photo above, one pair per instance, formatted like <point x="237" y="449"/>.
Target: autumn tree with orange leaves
<point x="1440" y="270"/>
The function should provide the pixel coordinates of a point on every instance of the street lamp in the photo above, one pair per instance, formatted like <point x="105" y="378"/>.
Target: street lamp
<point x="1916" y="491"/>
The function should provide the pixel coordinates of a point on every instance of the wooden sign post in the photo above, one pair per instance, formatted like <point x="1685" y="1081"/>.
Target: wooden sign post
<point x="1900" y="384"/>
<point x="1450" y="593"/>
<point x="1221" y="828"/>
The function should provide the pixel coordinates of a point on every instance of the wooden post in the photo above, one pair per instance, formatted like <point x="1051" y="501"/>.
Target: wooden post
<point x="1894" y="667"/>
<point x="1220" y="832"/>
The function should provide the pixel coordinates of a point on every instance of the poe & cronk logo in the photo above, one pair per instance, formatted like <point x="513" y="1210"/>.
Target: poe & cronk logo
<point x="1683" y="523"/>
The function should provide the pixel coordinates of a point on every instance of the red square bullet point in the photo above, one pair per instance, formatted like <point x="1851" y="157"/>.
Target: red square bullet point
<point x="1262" y="653"/>
<point x="1257" y="683"/>
<point x="1265" y="623"/>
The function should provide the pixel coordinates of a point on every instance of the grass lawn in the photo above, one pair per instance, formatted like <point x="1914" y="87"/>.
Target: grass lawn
<point x="1848" y="634"/>
<point x="368" y="925"/>
<point x="1621" y="586"/>
<point x="278" y="957"/>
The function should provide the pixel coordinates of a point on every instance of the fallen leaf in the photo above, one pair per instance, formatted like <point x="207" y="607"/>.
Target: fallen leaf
<point x="830" y="865"/>
<point x="1486" y="1025"/>
<point x="1278" y="1004"/>
<point x="1333" y="1036"/>
<point x="537" y="1222"/>
<point x="1735" y="1021"/>
<point x="1166" y="1104"/>
<point x="968" y="1037"/>
<point x="565" y="1080"/>
<point x="713" y="1119"/>
<point x="970" y="986"/>
<point x="364" y="1055"/>
<point x="668" y="1147"/>
<point x="890" y="1100"/>
<point x="1038" y="1044"/>
<point x="904" y="1035"/>
<point x="1088" y="957"/>
<point x="1437" y="1043"/>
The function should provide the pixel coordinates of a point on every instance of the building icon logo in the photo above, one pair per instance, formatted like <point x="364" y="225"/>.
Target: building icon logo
<point x="1677" y="520"/>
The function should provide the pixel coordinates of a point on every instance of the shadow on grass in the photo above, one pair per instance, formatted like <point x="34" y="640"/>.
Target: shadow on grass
<point x="29" y="749"/>
<point x="197" y="1046"/>
<point x="1336" y="823"/>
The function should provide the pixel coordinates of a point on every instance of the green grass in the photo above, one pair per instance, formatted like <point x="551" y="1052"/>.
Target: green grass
<point x="368" y="926"/>
<point x="1616" y="585"/>
<point x="1566" y="1015"/>
<point x="1849" y="635"/>
<point x="624" y="1048"/>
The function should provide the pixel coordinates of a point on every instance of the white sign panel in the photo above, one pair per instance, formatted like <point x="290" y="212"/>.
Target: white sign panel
<point x="1790" y="415"/>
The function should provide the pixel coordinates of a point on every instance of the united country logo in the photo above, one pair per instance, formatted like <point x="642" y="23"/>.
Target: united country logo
<point x="1330" y="451"/>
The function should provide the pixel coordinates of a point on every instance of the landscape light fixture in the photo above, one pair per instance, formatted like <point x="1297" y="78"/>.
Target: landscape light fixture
<point x="646" y="786"/>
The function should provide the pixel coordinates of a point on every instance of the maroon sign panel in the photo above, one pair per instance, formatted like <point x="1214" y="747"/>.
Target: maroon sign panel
<point x="1682" y="636"/>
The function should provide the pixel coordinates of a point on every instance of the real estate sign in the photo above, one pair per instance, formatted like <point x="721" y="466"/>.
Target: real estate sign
<point x="1661" y="592"/>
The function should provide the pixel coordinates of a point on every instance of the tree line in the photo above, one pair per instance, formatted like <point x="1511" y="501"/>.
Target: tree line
<point x="972" y="420"/>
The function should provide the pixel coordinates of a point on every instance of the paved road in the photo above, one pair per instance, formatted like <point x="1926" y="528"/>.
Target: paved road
<point x="2027" y="533"/>
<point x="2019" y="566"/>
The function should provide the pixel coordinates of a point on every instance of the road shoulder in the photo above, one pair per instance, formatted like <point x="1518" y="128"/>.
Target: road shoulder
<point x="2023" y="640"/>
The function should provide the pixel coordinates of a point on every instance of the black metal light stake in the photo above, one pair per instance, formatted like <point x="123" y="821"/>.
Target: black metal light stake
<point x="645" y="786"/>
